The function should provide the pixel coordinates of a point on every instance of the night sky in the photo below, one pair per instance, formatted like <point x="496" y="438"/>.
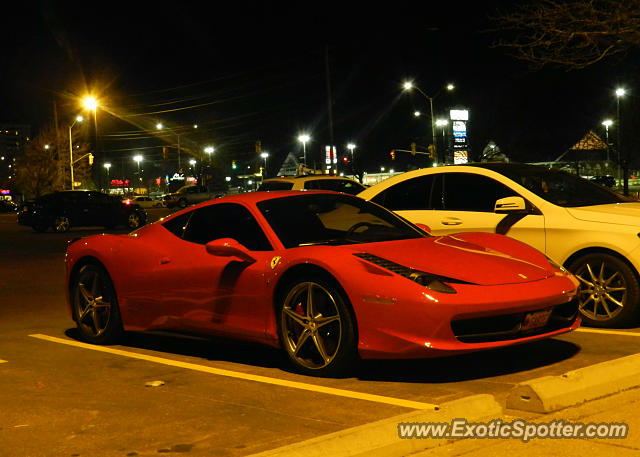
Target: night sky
<point x="250" y="71"/>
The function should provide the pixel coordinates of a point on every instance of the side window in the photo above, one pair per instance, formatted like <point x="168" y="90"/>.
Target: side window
<point x="412" y="194"/>
<point x="337" y="185"/>
<point x="178" y="224"/>
<point x="226" y="220"/>
<point x="470" y="192"/>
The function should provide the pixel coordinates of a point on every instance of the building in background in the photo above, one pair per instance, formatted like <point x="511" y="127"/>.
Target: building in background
<point x="13" y="138"/>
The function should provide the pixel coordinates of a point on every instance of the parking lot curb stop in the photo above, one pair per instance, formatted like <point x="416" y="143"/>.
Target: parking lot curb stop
<point x="552" y="393"/>
<point x="381" y="438"/>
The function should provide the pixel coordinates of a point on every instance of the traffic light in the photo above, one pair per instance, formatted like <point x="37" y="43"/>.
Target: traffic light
<point x="258" y="146"/>
<point x="393" y="154"/>
<point x="345" y="160"/>
<point x="164" y="153"/>
<point x="432" y="151"/>
<point x="233" y="164"/>
<point x="413" y="149"/>
<point x="90" y="159"/>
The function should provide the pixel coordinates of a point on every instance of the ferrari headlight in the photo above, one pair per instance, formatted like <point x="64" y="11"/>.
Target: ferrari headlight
<point x="431" y="282"/>
<point x="556" y="265"/>
<point x="428" y="280"/>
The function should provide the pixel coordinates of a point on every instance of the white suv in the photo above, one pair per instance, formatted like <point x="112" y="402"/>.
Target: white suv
<point x="592" y="231"/>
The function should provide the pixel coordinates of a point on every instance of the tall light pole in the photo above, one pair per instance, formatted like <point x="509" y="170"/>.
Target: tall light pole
<point x="351" y="147"/>
<point x="264" y="155"/>
<point x="607" y="123"/>
<point x="304" y="138"/>
<point x="620" y="92"/>
<point x="138" y="159"/>
<point x="90" y="103"/>
<point x="107" y="165"/>
<point x="408" y="85"/>
<point x="78" y="119"/>
<point x="209" y="150"/>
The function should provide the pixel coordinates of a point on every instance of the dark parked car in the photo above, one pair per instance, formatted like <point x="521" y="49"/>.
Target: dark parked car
<point x="7" y="206"/>
<point x="62" y="210"/>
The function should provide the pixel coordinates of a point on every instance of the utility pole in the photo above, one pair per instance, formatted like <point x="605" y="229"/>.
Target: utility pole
<point x="329" y="104"/>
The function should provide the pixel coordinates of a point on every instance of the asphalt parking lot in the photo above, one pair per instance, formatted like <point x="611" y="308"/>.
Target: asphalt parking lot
<point x="161" y="394"/>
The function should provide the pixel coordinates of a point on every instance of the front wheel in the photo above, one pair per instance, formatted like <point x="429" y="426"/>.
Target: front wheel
<point x="609" y="290"/>
<point x="316" y="328"/>
<point x="95" y="306"/>
<point x="182" y="203"/>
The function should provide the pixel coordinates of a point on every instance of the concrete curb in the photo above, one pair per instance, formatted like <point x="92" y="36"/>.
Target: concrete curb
<point x="552" y="393"/>
<point x="381" y="438"/>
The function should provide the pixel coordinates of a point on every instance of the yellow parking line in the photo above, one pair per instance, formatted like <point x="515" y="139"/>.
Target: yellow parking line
<point x="606" y="331"/>
<point x="246" y="376"/>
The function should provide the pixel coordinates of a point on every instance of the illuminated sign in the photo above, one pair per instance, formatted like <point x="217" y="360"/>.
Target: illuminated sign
<point x="460" y="156"/>
<point x="459" y="114"/>
<point x="177" y="177"/>
<point x="331" y="155"/>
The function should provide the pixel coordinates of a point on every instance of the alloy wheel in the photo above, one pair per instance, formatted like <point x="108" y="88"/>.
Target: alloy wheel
<point x="95" y="310"/>
<point x="62" y="224"/>
<point x="603" y="292"/>
<point x="311" y="325"/>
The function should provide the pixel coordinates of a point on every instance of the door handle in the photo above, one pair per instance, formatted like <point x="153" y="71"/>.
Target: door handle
<point x="451" y="221"/>
<point x="164" y="260"/>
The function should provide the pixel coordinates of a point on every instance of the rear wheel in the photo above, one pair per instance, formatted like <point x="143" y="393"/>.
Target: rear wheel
<point x="61" y="224"/>
<point x="316" y="327"/>
<point x="95" y="306"/>
<point x="134" y="221"/>
<point x="182" y="203"/>
<point x="609" y="290"/>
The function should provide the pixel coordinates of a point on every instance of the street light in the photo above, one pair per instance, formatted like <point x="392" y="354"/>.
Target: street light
<point x="408" y="85"/>
<point x="264" y="155"/>
<point x="607" y="123"/>
<point x="78" y="119"/>
<point x="138" y="158"/>
<point x="620" y="92"/>
<point x="351" y="147"/>
<point x="304" y="138"/>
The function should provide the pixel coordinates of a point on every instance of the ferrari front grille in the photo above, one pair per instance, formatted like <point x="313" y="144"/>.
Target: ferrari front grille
<point x="509" y="326"/>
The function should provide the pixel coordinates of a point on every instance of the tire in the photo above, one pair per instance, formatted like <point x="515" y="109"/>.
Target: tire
<point x="61" y="224"/>
<point x="609" y="290"/>
<point x="134" y="221"/>
<point x="316" y="327"/>
<point x="95" y="306"/>
<point x="182" y="203"/>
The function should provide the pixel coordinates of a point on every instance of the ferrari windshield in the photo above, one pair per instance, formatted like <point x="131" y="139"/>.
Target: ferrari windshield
<point x="311" y="219"/>
<point x="559" y="187"/>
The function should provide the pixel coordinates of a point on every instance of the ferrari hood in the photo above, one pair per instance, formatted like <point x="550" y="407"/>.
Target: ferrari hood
<point x="613" y="213"/>
<point x="453" y="257"/>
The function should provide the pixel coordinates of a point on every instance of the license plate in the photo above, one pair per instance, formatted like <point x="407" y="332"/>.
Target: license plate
<point x="536" y="319"/>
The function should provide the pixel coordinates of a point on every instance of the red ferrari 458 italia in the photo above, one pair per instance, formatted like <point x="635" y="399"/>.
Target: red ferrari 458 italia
<point x="329" y="277"/>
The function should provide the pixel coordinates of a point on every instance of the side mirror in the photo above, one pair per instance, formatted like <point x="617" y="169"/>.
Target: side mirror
<point x="511" y="205"/>
<point x="424" y="227"/>
<point x="228" y="247"/>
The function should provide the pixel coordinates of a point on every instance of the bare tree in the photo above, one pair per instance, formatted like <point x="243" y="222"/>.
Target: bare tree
<point x="38" y="169"/>
<point x="569" y="34"/>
